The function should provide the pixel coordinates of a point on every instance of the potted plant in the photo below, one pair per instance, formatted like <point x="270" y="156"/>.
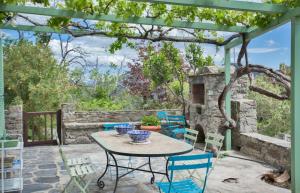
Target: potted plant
<point x="150" y="123"/>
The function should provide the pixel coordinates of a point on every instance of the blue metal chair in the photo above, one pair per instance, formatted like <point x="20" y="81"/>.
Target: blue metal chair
<point x="177" y="119"/>
<point x="200" y="161"/>
<point x="177" y="124"/>
<point x="171" y="125"/>
<point x="162" y="115"/>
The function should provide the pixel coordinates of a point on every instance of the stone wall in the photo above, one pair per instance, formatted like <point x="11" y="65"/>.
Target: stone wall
<point x="271" y="150"/>
<point x="78" y="125"/>
<point x="244" y="112"/>
<point x="14" y="120"/>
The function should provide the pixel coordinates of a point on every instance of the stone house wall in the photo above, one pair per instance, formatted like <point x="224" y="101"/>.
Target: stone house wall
<point x="78" y="125"/>
<point x="14" y="120"/>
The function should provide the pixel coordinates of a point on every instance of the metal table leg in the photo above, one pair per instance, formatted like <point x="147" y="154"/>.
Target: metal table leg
<point x="100" y="182"/>
<point x="117" y="172"/>
<point x="150" y="167"/>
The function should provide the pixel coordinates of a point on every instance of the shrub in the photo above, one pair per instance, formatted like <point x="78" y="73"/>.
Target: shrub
<point x="150" y="120"/>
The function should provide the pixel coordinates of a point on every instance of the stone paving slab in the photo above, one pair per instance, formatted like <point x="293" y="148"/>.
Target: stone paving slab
<point x="44" y="173"/>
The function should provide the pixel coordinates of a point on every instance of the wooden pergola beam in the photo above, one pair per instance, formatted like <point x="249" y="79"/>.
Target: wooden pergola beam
<point x="112" y="18"/>
<point x="225" y="4"/>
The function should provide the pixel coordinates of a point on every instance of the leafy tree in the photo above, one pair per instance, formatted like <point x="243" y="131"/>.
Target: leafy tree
<point x="196" y="59"/>
<point x="32" y="74"/>
<point x="136" y="82"/>
<point x="273" y="115"/>
<point x="164" y="65"/>
<point x="285" y="69"/>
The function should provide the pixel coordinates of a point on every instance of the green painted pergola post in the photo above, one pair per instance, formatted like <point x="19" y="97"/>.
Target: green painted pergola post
<point x="295" y="109"/>
<point x="228" y="98"/>
<point x="2" y="113"/>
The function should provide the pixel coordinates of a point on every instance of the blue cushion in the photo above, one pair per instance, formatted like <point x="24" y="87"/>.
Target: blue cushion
<point x="183" y="186"/>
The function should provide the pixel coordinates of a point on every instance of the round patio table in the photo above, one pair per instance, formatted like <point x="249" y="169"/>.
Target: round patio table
<point x="159" y="146"/>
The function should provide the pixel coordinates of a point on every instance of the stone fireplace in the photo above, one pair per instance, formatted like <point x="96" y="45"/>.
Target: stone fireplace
<point x="205" y="116"/>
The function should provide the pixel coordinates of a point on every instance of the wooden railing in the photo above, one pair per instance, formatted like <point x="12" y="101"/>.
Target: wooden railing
<point x="41" y="128"/>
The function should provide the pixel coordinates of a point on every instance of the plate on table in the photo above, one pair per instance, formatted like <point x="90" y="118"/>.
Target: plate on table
<point x="140" y="143"/>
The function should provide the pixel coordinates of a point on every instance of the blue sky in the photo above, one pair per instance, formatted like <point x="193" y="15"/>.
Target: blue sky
<point x="270" y="49"/>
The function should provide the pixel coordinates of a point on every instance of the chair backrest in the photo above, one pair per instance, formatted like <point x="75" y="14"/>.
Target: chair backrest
<point x="176" y="119"/>
<point x="215" y="140"/>
<point x="162" y="115"/>
<point x="62" y="155"/>
<point x="199" y="161"/>
<point x="190" y="136"/>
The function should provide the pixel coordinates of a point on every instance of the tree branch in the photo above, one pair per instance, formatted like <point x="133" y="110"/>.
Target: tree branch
<point x="282" y="79"/>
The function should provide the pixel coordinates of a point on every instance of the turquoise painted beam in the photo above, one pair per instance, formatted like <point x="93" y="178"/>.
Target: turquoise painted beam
<point x="2" y="113"/>
<point x="295" y="104"/>
<point x="228" y="135"/>
<point x="112" y="18"/>
<point x="225" y="4"/>
<point x="259" y="31"/>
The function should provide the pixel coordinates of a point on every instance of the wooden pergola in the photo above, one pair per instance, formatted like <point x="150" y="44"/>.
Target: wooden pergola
<point x="287" y="15"/>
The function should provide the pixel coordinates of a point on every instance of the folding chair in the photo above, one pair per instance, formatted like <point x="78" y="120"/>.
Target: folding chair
<point x="188" y="185"/>
<point x="190" y="136"/>
<point x="162" y="116"/>
<point x="75" y="161"/>
<point x="77" y="169"/>
<point x="174" y="125"/>
<point x="212" y="140"/>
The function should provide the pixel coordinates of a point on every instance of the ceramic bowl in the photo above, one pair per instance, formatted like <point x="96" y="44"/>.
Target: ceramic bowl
<point x="123" y="129"/>
<point x="139" y="136"/>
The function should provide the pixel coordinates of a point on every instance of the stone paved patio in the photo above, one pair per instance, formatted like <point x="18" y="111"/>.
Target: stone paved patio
<point x="44" y="173"/>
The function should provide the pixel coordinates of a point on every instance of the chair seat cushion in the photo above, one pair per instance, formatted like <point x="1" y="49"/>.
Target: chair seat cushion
<point x="183" y="186"/>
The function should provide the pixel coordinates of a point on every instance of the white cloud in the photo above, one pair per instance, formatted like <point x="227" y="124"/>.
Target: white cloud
<point x="262" y="50"/>
<point x="5" y="35"/>
<point x="96" y="47"/>
<point x="270" y="43"/>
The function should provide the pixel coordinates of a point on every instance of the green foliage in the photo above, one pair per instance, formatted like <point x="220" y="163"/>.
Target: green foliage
<point x="33" y="76"/>
<point x="17" y="101"/>
<point x="101" y="104"/>
<point x="150" y="120"/>
<point x="285" y="69"/>
<point x="176" y="87"/>
<point x="273" y="115"/>
<point x="157" y="69"/>
<point x="194" y="55"/>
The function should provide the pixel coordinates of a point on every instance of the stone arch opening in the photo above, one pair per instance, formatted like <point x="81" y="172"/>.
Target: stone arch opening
<point x="201" y="134"/>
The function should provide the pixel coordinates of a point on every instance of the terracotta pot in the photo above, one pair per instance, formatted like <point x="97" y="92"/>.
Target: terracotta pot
<point x="151" y="128"/>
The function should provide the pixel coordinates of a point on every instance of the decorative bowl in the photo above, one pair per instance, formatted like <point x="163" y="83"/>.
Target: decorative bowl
<point x="123" y="129"/>
<point x="139" y="136"/>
